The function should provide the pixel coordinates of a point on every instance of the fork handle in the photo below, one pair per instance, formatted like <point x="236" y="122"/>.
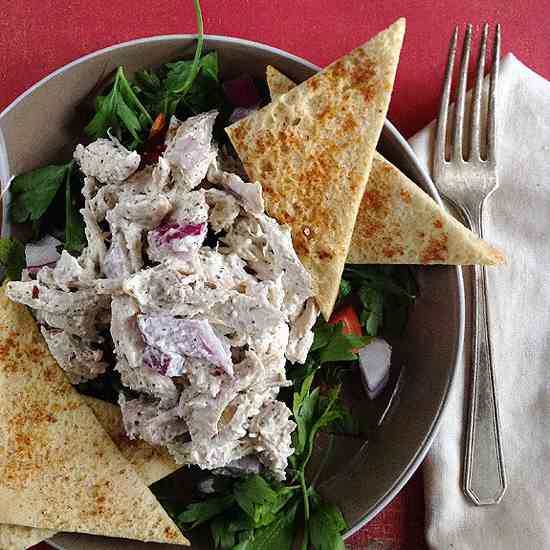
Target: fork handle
<point x="484" y="473"/>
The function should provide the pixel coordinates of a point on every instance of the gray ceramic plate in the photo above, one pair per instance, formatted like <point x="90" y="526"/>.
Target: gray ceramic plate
<point x="43" y="125"/>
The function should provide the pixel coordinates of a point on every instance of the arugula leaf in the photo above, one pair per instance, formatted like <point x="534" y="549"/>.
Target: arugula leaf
<point x="33" y="192"/>
<point x="199" y="512"/>
<point x="325" y="527"/>
<point x="210" y="66"/>
<point x="121" y="107"/>
<point x="259" y="500"/>
<point x="12" y="257"/>
<point x="179" y="82"/>
<point x="177" y="75"/>
<point x="196" y="64"/>
<point x="278" y="535"/>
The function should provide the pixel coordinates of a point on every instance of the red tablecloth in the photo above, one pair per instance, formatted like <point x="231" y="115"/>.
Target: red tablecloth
<point x="38" y="36"/>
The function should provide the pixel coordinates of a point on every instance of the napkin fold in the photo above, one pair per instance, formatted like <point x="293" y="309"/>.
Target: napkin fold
<point x="517" y="220"/>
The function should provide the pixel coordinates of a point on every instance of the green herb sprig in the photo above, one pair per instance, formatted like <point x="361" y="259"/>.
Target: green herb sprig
<point x="385" y="292"/>
<point x="12" y="258"/>
<point x="120" y="108"/>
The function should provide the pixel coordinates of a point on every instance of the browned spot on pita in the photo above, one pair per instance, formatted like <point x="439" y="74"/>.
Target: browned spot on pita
<point x="436" y="251"/>
<point x="324" y="255"/>
<point x="349" y="123"/>
<point x="313" y="84"/>
<point x="392" y="252"/>
<point x="373" y="200"/>
<point x="405" y="196"/>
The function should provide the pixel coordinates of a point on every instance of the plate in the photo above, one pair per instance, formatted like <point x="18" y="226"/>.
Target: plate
<point x="43" y="125"/>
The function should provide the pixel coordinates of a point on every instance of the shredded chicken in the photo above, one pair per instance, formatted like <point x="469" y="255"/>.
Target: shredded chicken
<point x="75" y="356"/>
<point x="142" y="419"/>
<point x="107" y="161"/>
<point x="201" y="326"/>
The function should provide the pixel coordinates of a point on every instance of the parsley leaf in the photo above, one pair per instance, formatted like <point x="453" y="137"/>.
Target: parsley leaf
<point x="223" y="537"/>
<point x="199" y="512"/>
<point x="120" y="108"/>
<point x="388" y="279"/>
<point x="278" y="535"/>
<point x="326" y="526"/>
<point x="328" y="412"/>
<point x="385" y="292"/>
<point x="333" y="345"/>
<point x="344" y="423"/>
<point x="33" y="192"/>
<point x="372" y="314"/>
<point x="12" y="257"/>
<point x="345" y="289"/>
<point x="304" y="408"/>
<point x="259" y="500"/>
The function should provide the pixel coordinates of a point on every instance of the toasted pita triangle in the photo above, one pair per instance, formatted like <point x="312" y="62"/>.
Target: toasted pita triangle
<point x="397" y="222"/>
<point x="151" y="463"/>
<point x="312" y="150"/>
<point x="277" y="82"/>
<point x="59" y="469"/>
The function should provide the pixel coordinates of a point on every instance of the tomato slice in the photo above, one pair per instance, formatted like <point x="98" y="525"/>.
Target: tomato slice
<point x="155" y="143"/>
<point x="347" y="315"/>
<point x="158" y="125"/>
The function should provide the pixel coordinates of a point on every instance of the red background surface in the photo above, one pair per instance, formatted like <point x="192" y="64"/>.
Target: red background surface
<point x="38" y="36"/>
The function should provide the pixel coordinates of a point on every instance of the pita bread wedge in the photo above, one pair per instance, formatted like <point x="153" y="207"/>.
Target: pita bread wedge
<point x="59" y="469"/>
<point x="150" y="463"/>
<point x="312" y="150"/>
<point x="399" y="223"/>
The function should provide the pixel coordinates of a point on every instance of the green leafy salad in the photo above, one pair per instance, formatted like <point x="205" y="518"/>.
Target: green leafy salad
<point x="253" y="512"/>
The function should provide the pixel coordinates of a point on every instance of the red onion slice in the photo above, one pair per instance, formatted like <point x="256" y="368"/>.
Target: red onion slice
<point x="374" y="363"/>
<point x="180" y="240"/>
<point x="167" y="364"/>
<point x="189" y="337"/>
<point x="241" y="112"/>
<point x="242" y="91"/>
<point x="42" y="252"/>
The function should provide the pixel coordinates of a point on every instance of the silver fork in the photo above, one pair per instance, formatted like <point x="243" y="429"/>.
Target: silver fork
<point x="467" y="179"/>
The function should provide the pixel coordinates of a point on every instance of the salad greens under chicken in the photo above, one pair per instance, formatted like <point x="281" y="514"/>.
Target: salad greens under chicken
<point x="168" y="289"/>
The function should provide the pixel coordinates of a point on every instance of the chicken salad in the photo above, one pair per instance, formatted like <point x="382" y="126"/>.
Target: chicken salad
<point x="201" y="333"/>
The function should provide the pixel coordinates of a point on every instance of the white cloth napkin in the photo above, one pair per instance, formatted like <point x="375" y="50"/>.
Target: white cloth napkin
<point x="518" y="221"/>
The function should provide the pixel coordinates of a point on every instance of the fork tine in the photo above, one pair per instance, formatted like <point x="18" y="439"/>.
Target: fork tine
<point x="476" y="97"/>
<point x="441" y="133"/>
<point x="491" y="110"/>
<point x="461" y="95"/>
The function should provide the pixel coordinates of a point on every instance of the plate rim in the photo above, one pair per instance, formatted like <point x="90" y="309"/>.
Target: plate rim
<point x="398" y="140"/>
